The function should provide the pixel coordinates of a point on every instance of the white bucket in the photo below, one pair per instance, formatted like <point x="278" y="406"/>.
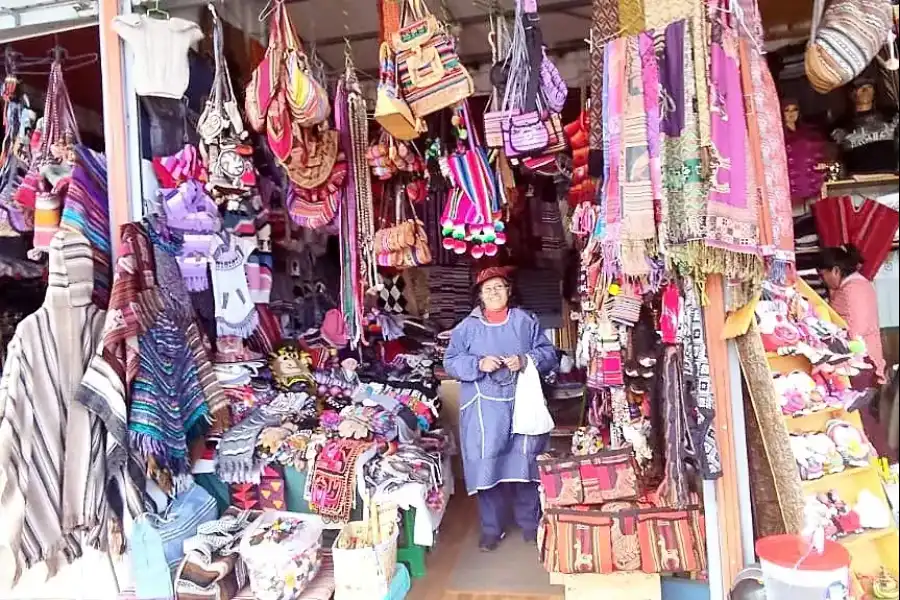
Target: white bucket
<point x="793" y="571"/>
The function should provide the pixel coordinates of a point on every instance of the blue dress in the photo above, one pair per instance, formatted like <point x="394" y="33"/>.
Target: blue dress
<point x="491" y="452"/>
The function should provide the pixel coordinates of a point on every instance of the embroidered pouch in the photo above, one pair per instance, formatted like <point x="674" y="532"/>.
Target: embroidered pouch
<point x="561" y="481"/>
<point x="671" y="540"/>
<point x="576" y="541"/>
<point x="609" y="475"/>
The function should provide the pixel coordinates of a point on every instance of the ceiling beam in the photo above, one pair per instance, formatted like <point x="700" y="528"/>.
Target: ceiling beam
<point x="364" y="36"/>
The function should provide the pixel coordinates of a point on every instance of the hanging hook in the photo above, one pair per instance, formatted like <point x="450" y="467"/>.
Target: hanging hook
<point x="270" y="7"/>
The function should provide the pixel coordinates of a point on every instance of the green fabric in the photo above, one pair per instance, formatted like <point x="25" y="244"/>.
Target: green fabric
<point x="295" y="482"/>
<point x="217" y="489"/>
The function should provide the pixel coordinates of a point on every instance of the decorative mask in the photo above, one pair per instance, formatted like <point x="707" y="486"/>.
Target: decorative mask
<point x="290" y="366"/>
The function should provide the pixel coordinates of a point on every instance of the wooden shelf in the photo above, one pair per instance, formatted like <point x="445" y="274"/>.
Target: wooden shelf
<point x="867" y="537"/>
<point x="834" y="480"/>
<point x="859" y="181"/>
<point x="813" y="422"/>
<point x="869" y="550"/>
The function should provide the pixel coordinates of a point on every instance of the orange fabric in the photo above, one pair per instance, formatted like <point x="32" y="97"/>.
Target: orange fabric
<point x="757" y="173"/>
<point x="727" y="501"/>
<point x="389" y="14"/>
<point x="857" y="302"/>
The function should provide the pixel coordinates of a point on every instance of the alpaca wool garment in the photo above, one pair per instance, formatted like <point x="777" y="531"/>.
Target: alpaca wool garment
<point x="86" y="210"/>
<point x="45" y="435"/>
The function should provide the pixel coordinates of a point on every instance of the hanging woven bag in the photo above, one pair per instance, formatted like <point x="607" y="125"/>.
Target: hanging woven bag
<point x="431" y="75"/>
<point x="846" y="36"/>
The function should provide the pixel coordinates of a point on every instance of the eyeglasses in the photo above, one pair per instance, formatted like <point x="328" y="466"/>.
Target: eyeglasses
<point x="494" y="289"/>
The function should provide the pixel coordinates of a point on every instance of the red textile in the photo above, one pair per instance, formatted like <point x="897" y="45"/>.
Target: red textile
<point x="870" y="228"/>
<point x="495" y="317"/>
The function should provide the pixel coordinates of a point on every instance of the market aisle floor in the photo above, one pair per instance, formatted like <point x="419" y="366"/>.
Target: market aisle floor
<point x="456" y="570"/>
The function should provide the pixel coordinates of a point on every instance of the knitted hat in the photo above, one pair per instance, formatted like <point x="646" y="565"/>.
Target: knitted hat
<point x="492" y="273"/>
<point x="334" y="329"/>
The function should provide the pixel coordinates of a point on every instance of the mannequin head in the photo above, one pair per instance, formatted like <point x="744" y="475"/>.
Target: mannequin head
<point x="863" y="95"/>
<point x="790" y="112"/>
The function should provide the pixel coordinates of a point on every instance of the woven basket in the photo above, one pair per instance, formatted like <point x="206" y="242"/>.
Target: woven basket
<point x="365" y="556"/>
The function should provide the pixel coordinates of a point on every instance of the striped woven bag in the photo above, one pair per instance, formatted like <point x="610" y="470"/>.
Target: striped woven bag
<point x="846" y="36"/>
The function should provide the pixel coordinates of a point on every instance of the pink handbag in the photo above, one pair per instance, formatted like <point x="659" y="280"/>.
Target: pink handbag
<point x="525" y="134"/>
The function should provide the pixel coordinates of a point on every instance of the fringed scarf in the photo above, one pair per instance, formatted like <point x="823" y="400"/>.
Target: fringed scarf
<point x="638" y="234"/>
<point x="777" y="233"/>
<point x="610" y="226"/>
<point x="732" y="226"/>
<point x="686" y="191"/>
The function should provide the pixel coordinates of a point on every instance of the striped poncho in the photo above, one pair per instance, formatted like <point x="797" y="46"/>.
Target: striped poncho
<point x="46" y="437"/>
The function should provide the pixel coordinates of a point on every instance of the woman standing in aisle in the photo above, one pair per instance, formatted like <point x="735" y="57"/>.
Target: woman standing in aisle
<point x="853" y="297"/>
<point x="487" y="350"/>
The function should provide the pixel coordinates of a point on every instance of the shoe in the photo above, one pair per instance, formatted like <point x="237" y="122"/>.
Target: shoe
<point x="530" y="537"/>
<point x="489" y="543"/>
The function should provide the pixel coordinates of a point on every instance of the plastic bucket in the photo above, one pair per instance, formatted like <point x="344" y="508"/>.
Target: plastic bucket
<point x="794" y="571"/>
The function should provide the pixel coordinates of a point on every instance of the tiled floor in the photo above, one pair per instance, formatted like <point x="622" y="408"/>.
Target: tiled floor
<point x="456" y="570"/>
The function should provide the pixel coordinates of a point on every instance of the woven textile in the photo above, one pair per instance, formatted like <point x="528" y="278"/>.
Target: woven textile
<point x="773" y="159"/>
<point x="167" y="400"/>
<point x="604" y="25"/>
<point x="732" y="227"/>
<point x="333" y="484"/>
<point x="631" y="17"/>
<point x="392" y="298"/>
<point x="699" y="396"/>
<point x="450" y="292"/>
<point x="782" y="475"/>
<point x="86" y="210"/>
<point x="539" y="291"/>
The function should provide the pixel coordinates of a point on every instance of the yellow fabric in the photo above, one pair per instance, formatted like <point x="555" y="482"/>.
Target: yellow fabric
<point x="738" y="322"/>
<point x="822" y="308"/>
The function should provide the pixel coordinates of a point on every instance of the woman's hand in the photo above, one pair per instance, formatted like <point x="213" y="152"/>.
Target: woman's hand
<point x="514" y="363"/>
<point x="489" y="364"/>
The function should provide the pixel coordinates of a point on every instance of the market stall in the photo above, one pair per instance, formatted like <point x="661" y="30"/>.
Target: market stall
<point x="282" y="375"/>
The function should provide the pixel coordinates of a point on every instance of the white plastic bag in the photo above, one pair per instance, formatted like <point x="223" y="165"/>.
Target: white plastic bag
<point x="530" y="414"/>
